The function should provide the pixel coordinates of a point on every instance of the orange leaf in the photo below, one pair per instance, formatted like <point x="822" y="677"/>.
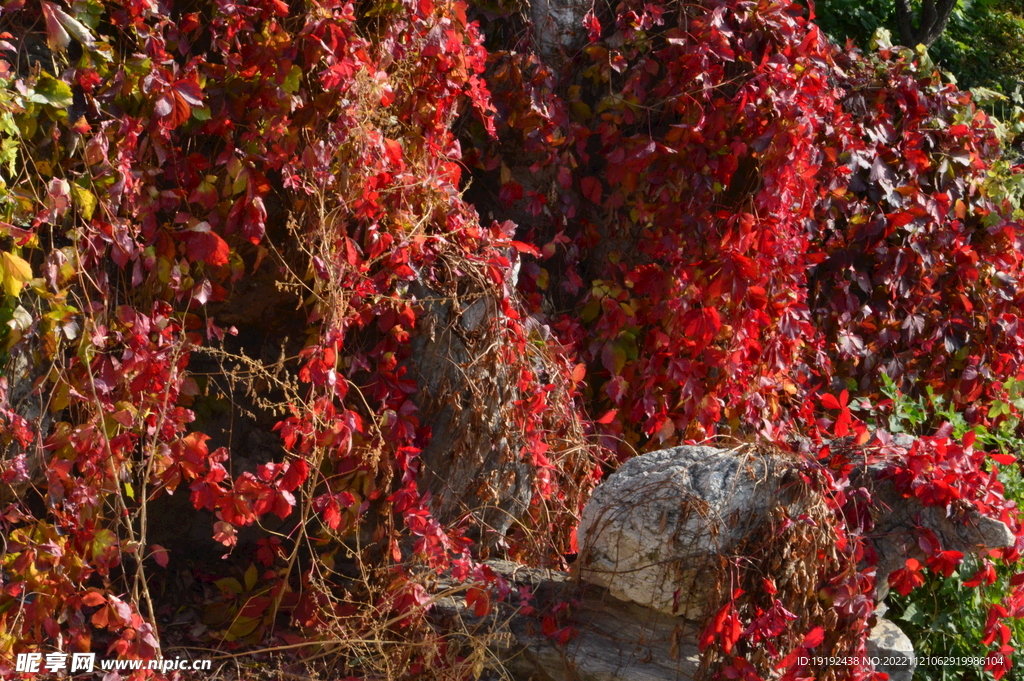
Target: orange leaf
<point x="93" y="598"/>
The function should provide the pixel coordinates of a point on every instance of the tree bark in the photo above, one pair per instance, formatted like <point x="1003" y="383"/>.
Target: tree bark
<point x="934" y="17"/>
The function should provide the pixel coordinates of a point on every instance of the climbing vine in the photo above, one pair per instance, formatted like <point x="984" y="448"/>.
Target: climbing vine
<point x="705" y="220"/>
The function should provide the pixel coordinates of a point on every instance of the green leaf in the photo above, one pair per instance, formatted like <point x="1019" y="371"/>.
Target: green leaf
<point x="9" y="154"/>
<point x="913" y="614"/>
<point x="49" y="90"/>
<point x="104" y="548"/>
<point x="229" y="584"/>
<point x="983" y="95"/>
<point x="292" y="81"/>
<point x="8" y="125"/>
<point x="241" y="626"/>
<point x="89" y="12"/>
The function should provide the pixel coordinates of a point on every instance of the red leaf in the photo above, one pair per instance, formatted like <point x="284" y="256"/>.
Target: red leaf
<point x="1004" y="459"/>
<point x="608" y="417"/>
<point x="842" y="426"/>
<point x="995" y="627"/>
<point x="175" y="105"/>
<point x="908" y="578"/>
<point x="255" y="218"/>
<point x="174" y="108"/>
<point x="999" y="662"/>
<point x="479" y="600"/>
<point x="284" y="502"/>
<point x="188" y="91"/>
<point x="526" y="248"/>
<point x="564" y="635"/>
<point x="592" y="189"/>
<point x="701" y="325"/>
<point x="332" y="514"/>
<point x="944" y="562"/>
<point x="294" y="476"/>
<point x="897" y="220"/>
<point x="394" y="151"/>
<point x="593" y="27"/>
<point x="813" y="637"/>
<point x="100" y="618"/>
<point x="985" y="575"/>
<point x="352" y="255"/>
<point x="160" y="555"/>
<point x="207" y="246"/>
<point x="715" y="627"/>
<point x="928" y="541"/>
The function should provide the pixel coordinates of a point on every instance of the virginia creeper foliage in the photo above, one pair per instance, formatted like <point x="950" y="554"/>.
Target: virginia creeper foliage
<point x="705" y="221"/>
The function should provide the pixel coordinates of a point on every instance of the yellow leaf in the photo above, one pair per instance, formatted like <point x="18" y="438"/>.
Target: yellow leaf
<point x="15" y="272"/>
<point x="251" y="575"/>
<point x="84" y="200"/>
<point x="229" y="584"/>
<point x="241" y="627"/>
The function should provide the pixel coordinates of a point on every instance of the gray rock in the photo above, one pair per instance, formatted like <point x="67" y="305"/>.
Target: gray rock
<point x="612" y="640"/>
<point x="654" y="531"/>
<point x="657" y="529"/>
<point x="888" y="643"/>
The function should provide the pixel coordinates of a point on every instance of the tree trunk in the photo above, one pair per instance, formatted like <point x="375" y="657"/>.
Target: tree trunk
<point x="934" y="17"/>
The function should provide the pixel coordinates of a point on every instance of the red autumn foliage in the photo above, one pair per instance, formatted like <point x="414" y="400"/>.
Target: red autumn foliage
<point x="720" y="221"/>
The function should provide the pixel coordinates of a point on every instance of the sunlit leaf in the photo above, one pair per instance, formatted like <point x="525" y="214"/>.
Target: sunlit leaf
<point x="15" y="272"/>
<point x="61" y="27"/>
<point x="49" y="90"/>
